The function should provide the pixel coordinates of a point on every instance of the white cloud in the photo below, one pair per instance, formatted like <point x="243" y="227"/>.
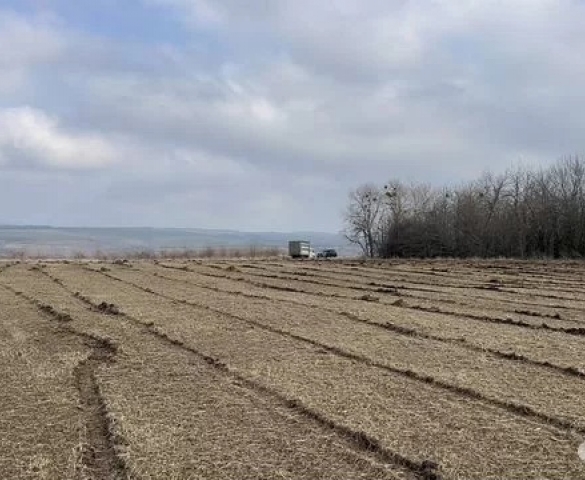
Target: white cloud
<point x="32" y="137"/>
<point x="28" y="41"/>
<point x="295" y="92"/>
<point x="352" y="39"/>
<point x="26" y="44"/>
<point x="354" y="83"/>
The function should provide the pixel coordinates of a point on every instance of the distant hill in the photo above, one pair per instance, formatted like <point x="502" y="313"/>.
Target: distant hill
<point x="65" y="241"/>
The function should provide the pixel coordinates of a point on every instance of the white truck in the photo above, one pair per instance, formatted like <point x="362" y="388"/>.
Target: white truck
<point x="300" y="249"/>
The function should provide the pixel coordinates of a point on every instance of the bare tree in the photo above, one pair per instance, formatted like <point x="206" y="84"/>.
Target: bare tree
<point x="518" y="210"/>
<point x="362" y="218"/>
<point x="522" y="213"/>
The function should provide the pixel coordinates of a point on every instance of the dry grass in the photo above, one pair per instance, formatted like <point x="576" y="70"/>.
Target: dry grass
<point x="351" y="393"/>
<point x="41" y="427"/>
<point x="453" y="364"/>
<point x="461" y="284"/>
<point x="539" y="345"/>
<point x="179" y="417"/>
<point x="219" y="374"/>
<point x="433" y="292"/>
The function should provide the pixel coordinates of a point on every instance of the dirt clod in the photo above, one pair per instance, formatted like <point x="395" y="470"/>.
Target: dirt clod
<point x="369" y="298"/>
<point x="108" y="308"/>
<point x="430" y="470"/>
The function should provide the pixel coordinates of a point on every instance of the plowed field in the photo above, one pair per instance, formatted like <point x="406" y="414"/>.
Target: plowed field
<point x="292" y="370"/>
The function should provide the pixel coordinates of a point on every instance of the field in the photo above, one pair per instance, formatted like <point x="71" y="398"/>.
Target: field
<point x="292" y="370"/>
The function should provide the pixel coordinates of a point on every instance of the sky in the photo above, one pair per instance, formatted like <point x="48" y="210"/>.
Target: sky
<point x="262" y="115"/>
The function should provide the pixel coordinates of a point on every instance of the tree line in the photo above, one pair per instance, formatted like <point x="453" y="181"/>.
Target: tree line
<point x="524" y="213"/>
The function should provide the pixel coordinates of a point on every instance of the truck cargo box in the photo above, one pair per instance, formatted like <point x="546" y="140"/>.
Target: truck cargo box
<point x="299" y="249"/>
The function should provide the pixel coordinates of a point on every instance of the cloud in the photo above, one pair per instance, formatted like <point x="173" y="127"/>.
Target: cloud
<point x="351" y="39"/>
<point x="380" y="83"/>
<point x="31" y="137"/>
<point x="32" y="40"/>
<point x="283" y="106"/>
<point x="28" y="43"/>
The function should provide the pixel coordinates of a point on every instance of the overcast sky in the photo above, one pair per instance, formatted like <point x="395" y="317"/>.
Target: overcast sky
<point x="263" y="114"/>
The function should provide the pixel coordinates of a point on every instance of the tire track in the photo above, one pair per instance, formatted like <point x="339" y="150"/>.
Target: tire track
<point x="99" y="453"/>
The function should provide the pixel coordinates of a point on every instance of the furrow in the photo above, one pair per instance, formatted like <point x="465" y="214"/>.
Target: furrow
<point x="399" y="293"/>
<point x="466" y="392"/>
<point x="329" y="384"/>
<point x="99" y="453"/>
<point x="358" y="441"/>
<point x="485" y="329"/>
<point x="406" y="290"/>
<point x="387" y="325"/>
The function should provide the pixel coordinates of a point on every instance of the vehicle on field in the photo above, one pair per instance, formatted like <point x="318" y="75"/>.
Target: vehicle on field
<point x="328" y="253"/>
<point x="300" y="249"/>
